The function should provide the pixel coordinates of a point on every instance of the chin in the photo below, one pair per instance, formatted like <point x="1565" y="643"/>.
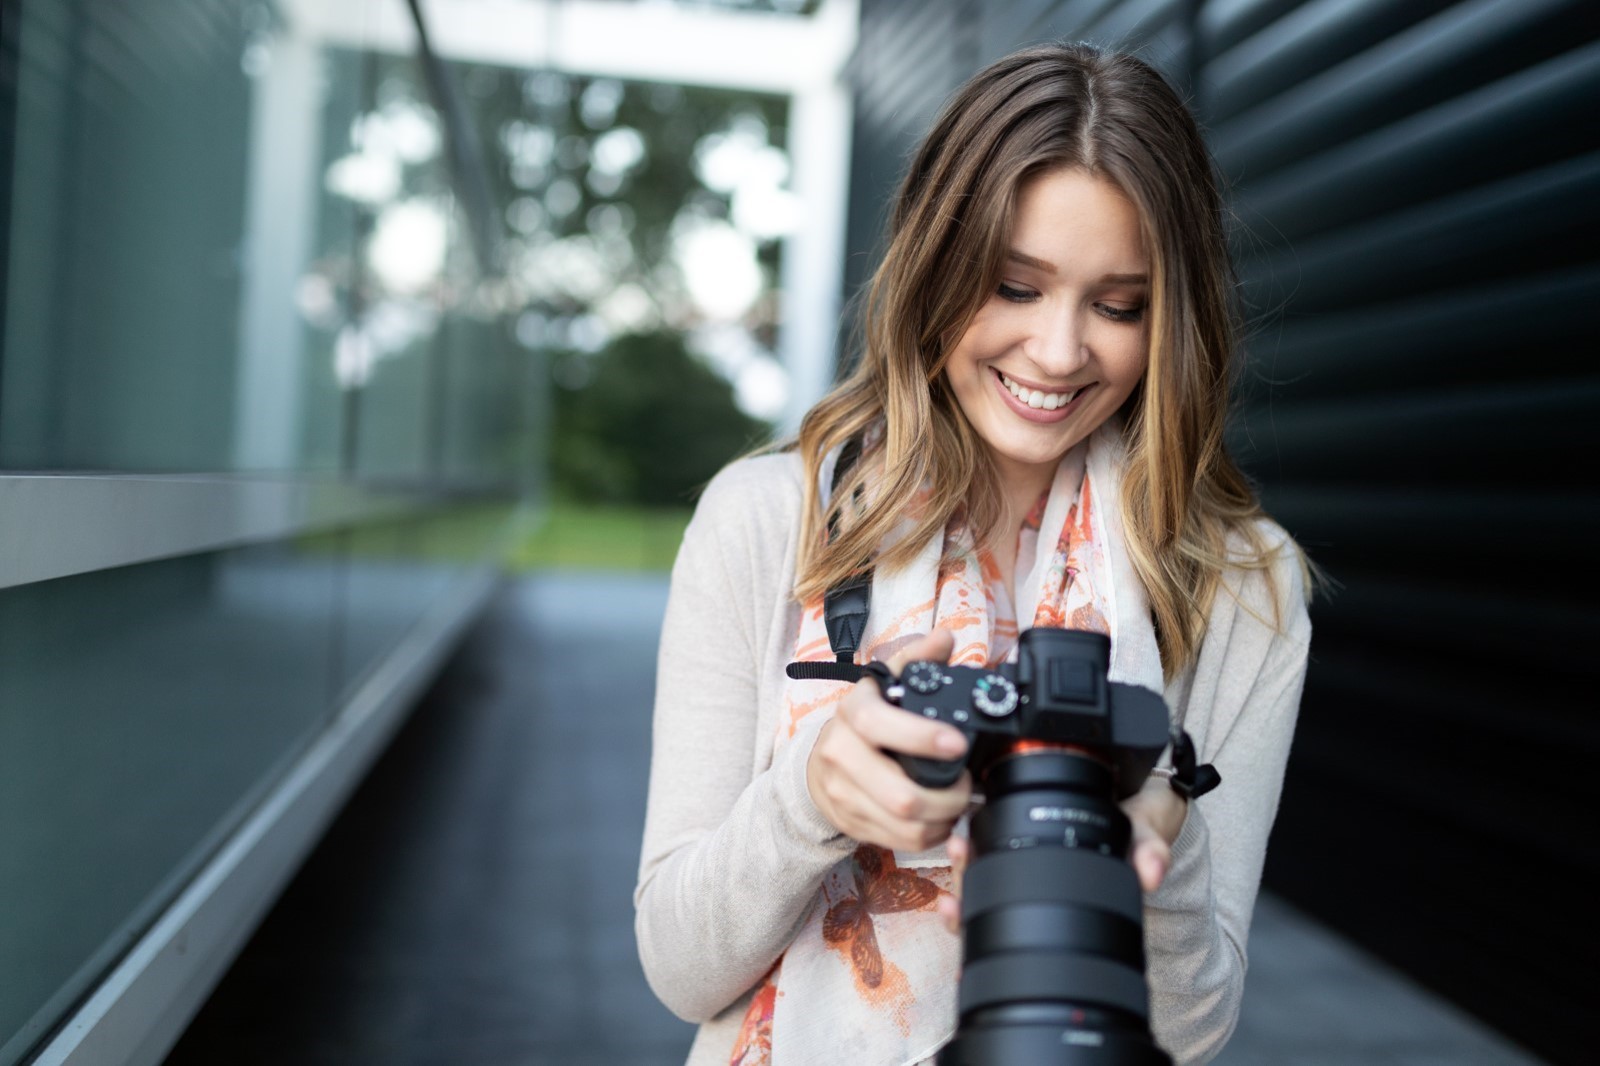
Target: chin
<point x="1031" y="456"/>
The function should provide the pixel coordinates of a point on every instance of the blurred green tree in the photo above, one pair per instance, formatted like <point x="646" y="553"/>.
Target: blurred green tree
<point x="648" y="423"/>
<point x="598" y="178"/>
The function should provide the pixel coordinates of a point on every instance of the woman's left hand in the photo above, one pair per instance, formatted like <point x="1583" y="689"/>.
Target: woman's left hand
<point x="1157" y="814"/>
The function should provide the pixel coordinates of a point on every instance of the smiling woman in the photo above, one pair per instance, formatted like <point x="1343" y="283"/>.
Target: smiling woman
<point x="1031" y="438"/>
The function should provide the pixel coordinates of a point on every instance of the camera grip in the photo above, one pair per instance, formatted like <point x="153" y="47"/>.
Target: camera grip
<point x="930" y="773"/>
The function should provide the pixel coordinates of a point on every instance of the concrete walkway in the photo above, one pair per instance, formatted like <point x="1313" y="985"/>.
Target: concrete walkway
<point x="472" y="906"/>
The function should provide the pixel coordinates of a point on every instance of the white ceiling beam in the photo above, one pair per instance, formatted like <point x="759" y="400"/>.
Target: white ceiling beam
<point x="651" y="40"/>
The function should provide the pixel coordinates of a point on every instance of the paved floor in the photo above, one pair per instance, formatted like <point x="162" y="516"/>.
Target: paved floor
<point x="472" y="905"/>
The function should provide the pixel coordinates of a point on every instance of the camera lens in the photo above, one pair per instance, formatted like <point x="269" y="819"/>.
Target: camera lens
<point x="1053" y="967"/>
<point x="1052" y="796"/>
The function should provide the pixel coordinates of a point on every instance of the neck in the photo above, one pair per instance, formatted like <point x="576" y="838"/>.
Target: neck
<point x="1021" y="485"/>
<point x="1020" y="488"/>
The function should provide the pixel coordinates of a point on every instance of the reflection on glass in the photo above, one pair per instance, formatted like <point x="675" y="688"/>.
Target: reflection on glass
<point x="395" y="572"/>
<point x="233" y="248"/>
<point x="124" y="273"/>
<point x="144" y="709"/>
<point x="235" y="254"/>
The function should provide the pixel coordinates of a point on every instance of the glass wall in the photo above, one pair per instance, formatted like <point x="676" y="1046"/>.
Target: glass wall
<point x="141" y="708"/>
<point x="237" y="267"/>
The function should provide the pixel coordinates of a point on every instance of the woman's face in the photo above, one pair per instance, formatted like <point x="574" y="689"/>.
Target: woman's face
<point x="1062" y="341"/>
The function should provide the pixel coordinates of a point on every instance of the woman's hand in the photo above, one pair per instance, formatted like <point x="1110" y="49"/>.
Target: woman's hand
<point x="1157" y="814"/>
<point x="861" y="790"/>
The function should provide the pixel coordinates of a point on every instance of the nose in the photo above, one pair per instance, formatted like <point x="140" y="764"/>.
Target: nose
<point x="1059" y="344"/>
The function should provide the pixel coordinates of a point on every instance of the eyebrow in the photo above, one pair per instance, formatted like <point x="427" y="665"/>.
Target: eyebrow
<point x="1050" y="268"/>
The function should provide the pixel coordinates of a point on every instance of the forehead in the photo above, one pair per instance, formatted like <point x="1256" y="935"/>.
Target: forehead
<point x="1079" y="222"/>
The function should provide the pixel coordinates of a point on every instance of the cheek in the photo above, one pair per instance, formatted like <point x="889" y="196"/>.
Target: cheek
<point x="967" y="363"/>
<point x="991" y="331"/>
<point x="1128" y="361"/>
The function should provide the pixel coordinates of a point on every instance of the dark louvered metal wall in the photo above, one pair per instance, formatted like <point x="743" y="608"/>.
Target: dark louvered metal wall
<point x="1417" y="184"/>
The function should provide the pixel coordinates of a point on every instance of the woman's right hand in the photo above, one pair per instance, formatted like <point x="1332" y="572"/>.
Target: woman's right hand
<point x="861" y="790"/>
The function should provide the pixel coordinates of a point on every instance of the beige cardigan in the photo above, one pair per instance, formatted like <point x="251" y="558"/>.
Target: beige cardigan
<point x="734" y="849"/>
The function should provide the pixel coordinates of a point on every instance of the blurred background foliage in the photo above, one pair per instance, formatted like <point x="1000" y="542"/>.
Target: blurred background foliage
<point x="642" y="242"/>
<point x="650" y="425"/>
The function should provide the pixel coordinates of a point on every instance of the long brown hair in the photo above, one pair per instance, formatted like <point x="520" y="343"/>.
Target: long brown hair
<point x="1185" y="504"/>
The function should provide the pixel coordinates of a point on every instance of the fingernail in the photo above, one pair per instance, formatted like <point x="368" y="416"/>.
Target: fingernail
<point x="951" y="741"/>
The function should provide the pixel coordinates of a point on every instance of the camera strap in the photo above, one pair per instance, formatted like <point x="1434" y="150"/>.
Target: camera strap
<point x="845" y="606"/>
<point x="1190" y="779"/>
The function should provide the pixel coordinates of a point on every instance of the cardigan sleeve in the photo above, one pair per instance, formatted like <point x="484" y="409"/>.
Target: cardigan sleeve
<point x="1241" y="709"/>
<point x="731" y="859"/>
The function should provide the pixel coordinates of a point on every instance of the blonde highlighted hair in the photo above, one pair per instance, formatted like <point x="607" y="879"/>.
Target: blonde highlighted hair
<point x="1186" y="506"/>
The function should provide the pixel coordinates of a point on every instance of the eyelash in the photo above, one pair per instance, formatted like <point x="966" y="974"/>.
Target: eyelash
<point x="1115" y="314"/>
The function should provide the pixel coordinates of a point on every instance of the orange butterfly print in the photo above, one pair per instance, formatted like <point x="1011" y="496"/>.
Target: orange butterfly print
<point x="881" y="888"/>
<point x="754" y="1046"/>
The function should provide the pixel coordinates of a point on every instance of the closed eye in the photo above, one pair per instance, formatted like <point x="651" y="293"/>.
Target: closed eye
<point x="1016" y="295"/>
<point x="1121" y="314"/>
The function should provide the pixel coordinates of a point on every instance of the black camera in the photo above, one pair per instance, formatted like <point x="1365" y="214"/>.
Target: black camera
<point x="1051" y="913"/>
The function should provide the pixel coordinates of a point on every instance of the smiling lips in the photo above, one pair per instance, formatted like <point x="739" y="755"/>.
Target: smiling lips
<point x="1037" y="405"/>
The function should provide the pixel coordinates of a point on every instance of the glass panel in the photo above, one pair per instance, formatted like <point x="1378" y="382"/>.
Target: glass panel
<point x="415" y="265"/>
<point x="141" y="711"/>
<point x="229" y="246"/>
<point x="233" y="247"/>
<point x="397" y="571"/>
<point x="218" y="226"/>
<point x="124" y="273"/>
<point x="393" y="415"/>
<point x="388" y="587"/>
<point x="482" y="398"/>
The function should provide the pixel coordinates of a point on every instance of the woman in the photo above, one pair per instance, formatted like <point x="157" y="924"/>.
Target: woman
<point x="1039" y="414"/>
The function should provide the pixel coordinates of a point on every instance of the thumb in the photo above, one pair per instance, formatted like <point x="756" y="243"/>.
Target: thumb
<point x="935" y="647"/>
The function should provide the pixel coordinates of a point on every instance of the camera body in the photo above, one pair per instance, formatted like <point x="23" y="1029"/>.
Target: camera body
<point x="1051" y="912"/>
<point x="1056" y="693"/>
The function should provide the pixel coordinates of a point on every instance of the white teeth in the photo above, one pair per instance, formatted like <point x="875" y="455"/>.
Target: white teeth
<point x="1034" y="398"/>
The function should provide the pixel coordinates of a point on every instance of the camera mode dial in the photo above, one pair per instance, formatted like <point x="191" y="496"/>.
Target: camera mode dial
<point x="994" y="695"/>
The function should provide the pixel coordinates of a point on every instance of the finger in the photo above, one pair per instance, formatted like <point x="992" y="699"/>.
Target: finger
<point x="864" y="746"/>
<point x="933" y="648"/>
<point x="1151" y="858"/>
<point x="879" y="825"/>
<point x="884" y="725"/>
<point x="893" y="729"/>
<point x="890" y="727"/>
<point x="949" y="910"/>
<point x="1157" y="808"/>
<point x="872" y="791"/>
<point x="959" y="848"/>
<point x="902" y="799"/>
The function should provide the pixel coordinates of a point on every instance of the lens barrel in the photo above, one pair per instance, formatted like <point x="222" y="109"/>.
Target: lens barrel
<point x="1053" y="945"/>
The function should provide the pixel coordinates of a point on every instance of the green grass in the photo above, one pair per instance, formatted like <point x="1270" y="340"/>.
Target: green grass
<point x="572" y="536"/>
<point x="559" y="536"/>
<point x="467" y="533"/>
